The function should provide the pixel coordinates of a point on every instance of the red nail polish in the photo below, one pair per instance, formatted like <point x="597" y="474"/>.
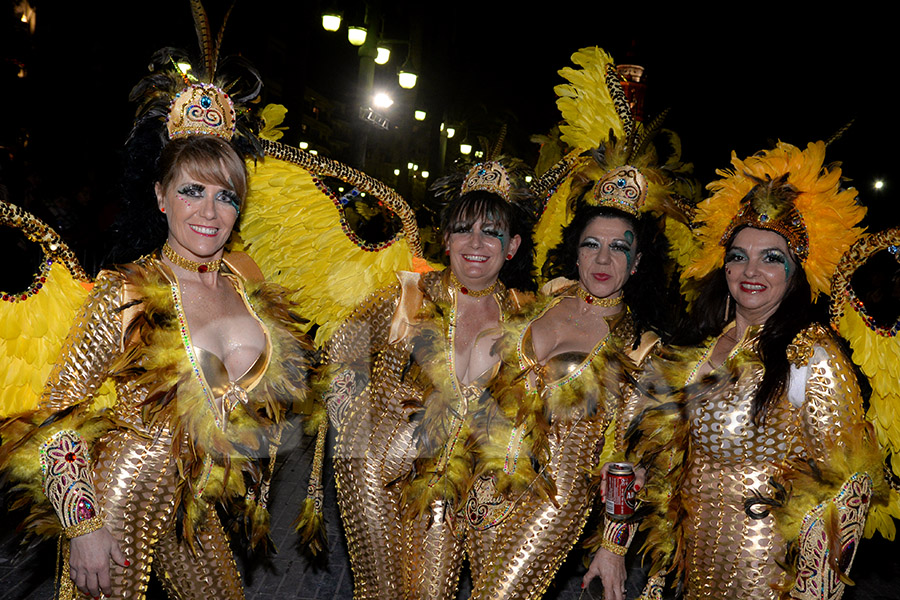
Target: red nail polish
<point x="127" y="563"/>
<point x="582" y="585"/>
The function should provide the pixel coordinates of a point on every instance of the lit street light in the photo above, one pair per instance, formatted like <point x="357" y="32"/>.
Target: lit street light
<point x="382" y="100"/>
<point x="383" y="56"/>
<point x="331" y="21"/>
<point x="356" y="35"/>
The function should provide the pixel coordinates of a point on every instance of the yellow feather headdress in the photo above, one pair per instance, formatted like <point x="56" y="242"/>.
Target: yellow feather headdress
<point x="818" y="218"/>
<point x="611" y="151"/>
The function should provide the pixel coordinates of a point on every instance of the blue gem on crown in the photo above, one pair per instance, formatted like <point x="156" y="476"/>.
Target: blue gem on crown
<point x="205" y="101"/>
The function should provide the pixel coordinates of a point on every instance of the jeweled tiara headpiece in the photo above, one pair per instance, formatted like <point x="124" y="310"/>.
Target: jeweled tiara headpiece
<point x="209" y="99"/>
<point x="201" y="109"/>
<point x="623" y="188"/>
<point x="488" y="176"/>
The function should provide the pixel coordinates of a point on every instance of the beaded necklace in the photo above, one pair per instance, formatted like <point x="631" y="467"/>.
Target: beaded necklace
<point x="597" y="301"/>
<point x="189" y="265"/>
<point x="457" y="284"/>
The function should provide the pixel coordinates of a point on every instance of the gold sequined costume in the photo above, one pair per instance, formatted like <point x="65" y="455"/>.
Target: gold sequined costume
<point x="180" y="437"/>
<point x="762" y="505"/>
<point x="522" y="523"/>
<point x="402" y="461"/>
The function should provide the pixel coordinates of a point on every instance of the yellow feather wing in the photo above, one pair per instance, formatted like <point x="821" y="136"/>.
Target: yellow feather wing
<point x="876" y="349"/>
<point x="34" y="322"/>
<point x="293" y="230"/>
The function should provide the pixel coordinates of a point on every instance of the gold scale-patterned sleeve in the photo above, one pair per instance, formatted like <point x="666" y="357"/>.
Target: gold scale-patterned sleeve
<point x="93" y="342"/>
<point x="832" y="409"/>
<point x="843" y="447"/>
<point x="366" y="331"/>
<point x="350" y="353"/>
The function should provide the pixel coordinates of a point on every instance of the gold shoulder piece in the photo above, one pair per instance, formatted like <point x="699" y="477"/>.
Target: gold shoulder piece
<point x="800" y="351"/>
<point x="243" y="265"/>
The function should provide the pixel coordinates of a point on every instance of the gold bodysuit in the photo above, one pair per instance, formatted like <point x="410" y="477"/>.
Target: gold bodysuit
<point x="746" y="486"/>
<point x="157" y="458"/>
<point x="518" y="539"/>
<point x="402" y="460"/>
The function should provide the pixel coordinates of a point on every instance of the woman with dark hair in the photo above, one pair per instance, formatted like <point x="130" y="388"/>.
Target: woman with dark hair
<point x="407" y="370"/>
<point x="204" y="357"/>
<point x="559" y="405"/>
<point x="774" y="464"/>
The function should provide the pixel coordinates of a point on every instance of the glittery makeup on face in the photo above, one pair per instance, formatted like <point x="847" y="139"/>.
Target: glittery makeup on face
<point x="735" y="254"/>
<point x="191" y="190"/>
<point x="776" y="256"/>
<point x="629" y="237"/>
<point x="230" y="198"/>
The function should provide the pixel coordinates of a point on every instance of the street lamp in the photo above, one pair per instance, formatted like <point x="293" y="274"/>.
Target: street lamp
<point x="420" y="115"/>
<point x="331" y="21"/>
<point x="356" y="35"/>
<point x="382" y="100"/>
<point x="407" y="79"/>
<point x="383" y="55"/>
<point x="465" y="148"/>
<point x="450" y="132"/>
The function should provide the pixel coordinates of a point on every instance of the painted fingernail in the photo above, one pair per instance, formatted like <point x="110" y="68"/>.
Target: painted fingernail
<point x="127" y="563"/>
<point x="582" y="585"/>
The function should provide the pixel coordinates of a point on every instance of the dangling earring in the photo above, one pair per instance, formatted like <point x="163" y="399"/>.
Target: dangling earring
<point x="727" y="305"/>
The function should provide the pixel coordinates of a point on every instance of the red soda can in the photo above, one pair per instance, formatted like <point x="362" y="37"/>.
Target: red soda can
<point x="620" y="500"/>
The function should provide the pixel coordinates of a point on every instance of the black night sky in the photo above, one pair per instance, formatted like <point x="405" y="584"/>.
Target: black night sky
<point x="734" y="79"/>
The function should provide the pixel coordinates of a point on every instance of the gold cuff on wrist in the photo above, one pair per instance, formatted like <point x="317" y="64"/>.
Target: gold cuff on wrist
<point x="83" y="527"/>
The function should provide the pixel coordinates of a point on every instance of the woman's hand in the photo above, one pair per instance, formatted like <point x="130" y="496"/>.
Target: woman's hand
<point x="640" y="477"/>
<point x="611" y="570"/>
<point x="89" y="557"/>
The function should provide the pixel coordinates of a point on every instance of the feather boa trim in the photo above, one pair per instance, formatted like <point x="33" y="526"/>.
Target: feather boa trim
<point x="446" y="448"/>
<point x="660" y="437"/>
<point x="214" y="465"/>
<point x="512" y="432"/>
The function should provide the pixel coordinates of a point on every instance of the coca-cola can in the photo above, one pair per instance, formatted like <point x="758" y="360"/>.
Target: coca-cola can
<point x="620" y="501"/>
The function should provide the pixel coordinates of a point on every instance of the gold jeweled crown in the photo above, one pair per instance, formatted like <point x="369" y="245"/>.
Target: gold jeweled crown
<point x="624" y="188"/>
<point x="488" y="176"/>
<point x="201" y="109"/>
<point x="769" y="205"/>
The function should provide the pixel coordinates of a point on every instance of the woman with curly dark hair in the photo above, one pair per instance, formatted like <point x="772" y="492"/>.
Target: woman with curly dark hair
<point x="559" y="409"/>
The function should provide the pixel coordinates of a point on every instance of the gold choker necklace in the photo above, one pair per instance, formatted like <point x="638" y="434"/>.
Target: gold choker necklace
<point x="595" y="301"/>
<point x="189" y="265"/>
<point x="473" y="293"/>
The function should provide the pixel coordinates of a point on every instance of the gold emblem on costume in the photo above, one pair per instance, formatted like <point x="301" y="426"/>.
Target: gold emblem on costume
<point x="488" y="176"/>
<point x="624" y="188"/>
<point x="485" y="508"/>
<point x="201" y="109"/>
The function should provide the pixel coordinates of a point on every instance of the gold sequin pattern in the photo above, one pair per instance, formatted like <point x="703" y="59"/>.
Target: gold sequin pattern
<point x="730" y="554"/>
<point x="93" y="342"/>
<point x="374" y="446"/>
<point x="518" y="558"/>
